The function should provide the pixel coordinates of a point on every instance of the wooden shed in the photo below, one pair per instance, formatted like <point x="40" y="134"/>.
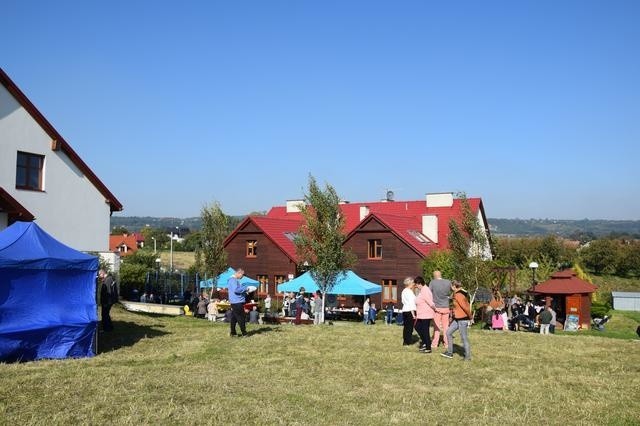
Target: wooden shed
<point x="569" y="295"/>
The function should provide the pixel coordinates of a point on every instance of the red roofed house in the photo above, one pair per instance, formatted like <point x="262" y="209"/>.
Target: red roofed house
<point x="125" y="244"/>
<point x="389" y="238"/>
<point x="568" y="294"/>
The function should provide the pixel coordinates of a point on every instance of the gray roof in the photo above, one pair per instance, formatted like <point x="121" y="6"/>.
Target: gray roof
<point x="625" y="294"/>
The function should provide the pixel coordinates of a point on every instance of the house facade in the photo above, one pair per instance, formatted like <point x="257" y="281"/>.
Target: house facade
<point x="389" y="239"/>
<point x="43" y="179"/>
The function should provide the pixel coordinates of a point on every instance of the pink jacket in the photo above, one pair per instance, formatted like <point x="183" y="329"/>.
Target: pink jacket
<point x="424" y="304"/>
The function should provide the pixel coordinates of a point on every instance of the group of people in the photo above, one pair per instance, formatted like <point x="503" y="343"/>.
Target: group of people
<point x="442" y="302"/>
<point x="302" y="307"/>
<point x="515" y="314"/>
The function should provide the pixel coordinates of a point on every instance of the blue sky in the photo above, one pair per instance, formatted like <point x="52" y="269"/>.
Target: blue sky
<point x="532" y="105"/>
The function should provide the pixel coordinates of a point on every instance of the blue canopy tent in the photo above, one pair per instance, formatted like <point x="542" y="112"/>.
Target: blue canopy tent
<point x="349" y="284"/>
<point x="221" y="280"/>
<point x="47" y="296"/>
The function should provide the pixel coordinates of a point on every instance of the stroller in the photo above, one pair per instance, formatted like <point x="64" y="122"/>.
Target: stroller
<point x="598" y="323"/>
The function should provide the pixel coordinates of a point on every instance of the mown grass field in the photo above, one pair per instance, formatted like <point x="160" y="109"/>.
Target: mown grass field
<point x="164" y="370"/>
<point x="182" y="260"/>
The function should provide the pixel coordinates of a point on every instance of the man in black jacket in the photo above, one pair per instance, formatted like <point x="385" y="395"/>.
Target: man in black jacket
<point x="108" y="296"/>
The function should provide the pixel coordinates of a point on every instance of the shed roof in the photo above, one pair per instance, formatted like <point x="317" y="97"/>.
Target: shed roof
<point x="629" y="294"/>
<point x="563" y="282"/>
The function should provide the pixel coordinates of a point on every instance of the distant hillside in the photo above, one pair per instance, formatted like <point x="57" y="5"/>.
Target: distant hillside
<point x="516" y="227"/>
<point x="565" y="228"/>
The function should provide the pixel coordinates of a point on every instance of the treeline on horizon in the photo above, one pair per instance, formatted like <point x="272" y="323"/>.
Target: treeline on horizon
<point x="580" y="230"/>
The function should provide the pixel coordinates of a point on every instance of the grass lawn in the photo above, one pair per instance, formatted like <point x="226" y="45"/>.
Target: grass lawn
<point x="182" y="260"/>
<point x="166" y="370"/>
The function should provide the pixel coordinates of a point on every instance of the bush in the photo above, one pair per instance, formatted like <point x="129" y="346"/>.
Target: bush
<point x="599" y="309"/>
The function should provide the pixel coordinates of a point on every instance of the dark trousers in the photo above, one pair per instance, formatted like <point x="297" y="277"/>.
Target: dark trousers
<point x="238" y="317"/>
<point x="422" y="327"/>
<point x="407" y="330"/>
<point x="106" y="318"/>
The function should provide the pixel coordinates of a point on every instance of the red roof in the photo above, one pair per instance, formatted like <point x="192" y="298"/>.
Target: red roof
<point x="564" y="282"/>
<point x="58" y="142"/>
<point x="403" y="218"/>
<point x="117" y="241"/>
<point x="280" y="231"/>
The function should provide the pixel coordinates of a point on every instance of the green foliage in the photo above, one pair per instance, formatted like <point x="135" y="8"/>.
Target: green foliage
<point x="599" y="309"/>
<point x="132" y="275"/>
<point x="468" y="242"/>
<point x="600" y="255"/>
<point x="211" y="259"/>
<point x="161" y="238"/>
<point x="191" y="241"/>
<point x="119" y="230"/>
<point x="141" y="257"/>
<point x="439" y="260"/>
<point x="320" y="237"/>
<point x="518" y="252"/>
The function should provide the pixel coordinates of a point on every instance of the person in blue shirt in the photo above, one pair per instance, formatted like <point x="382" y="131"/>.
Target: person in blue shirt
<point x="237" y="293"/>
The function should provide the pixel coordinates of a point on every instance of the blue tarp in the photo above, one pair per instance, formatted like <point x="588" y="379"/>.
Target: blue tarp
<point x="349" y="283"/>
<point x="221" y="280"/>
<point x="47" y="296"/>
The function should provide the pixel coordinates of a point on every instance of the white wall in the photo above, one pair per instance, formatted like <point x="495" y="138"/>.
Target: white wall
<point x="70" y="208"/>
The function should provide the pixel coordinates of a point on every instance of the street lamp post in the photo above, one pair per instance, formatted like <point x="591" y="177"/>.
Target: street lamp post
<point x="533" y="266"/>
<point x="157" y="270"/>
<point x="155" y="250"/>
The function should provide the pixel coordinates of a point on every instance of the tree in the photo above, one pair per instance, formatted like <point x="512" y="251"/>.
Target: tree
<point x="600" y="255"/>
<point x="150" y="233"/>
<point x="470" y="248"/>
<point x="439" y="260"/>
<point x="320" y="237"/>
<point x="211" y="259"/>
<point x="119" y="230"/>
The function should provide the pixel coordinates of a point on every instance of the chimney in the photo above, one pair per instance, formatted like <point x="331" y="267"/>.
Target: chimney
<point x="293" y="206"/>
<point x="364" y="212"/>
<point x="440" y="199"/>
<point x="430" y="227"/>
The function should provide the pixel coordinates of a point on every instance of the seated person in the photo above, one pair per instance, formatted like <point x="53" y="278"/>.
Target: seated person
<point x="254" y="315"/>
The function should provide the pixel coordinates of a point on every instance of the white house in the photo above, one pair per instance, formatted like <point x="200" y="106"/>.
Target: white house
<point x="626" y="300"/>
<point x="43" y="179"/>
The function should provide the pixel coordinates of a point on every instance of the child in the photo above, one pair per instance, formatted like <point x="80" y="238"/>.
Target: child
<point x="497" y="322"/>
<point x="372" y="313"/>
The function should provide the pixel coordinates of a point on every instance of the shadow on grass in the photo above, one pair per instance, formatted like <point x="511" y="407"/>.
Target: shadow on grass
<point x="263" y="330"/>
<point x="126" y="334"/>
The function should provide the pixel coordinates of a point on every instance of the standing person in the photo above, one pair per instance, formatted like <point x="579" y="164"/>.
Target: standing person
<point x="237" y="298"/>
<point x="365" y="310"/>
<point x="300" y="305"/>
<point x="389" y="317"/>
<point x="545" y="320"/>
<point x="285" y="306"/>
<point x="441" y="289"/>
<point x="461" y="320"/>
<point x="373" y="313"/>
<point x="267" y="304"/>
<point x="108" y="296"/>
<point x="317" y="308"/>
<point x="408" y="311"/>
<point x="425" y="311"/>
<point x="552" y="325"/>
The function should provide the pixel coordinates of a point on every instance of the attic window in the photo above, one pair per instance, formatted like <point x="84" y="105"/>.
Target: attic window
<point x="290" y="235"/>
<point x="29" y="171"/>
<point x="419" y="236"/>
<point x="252" y="248"/>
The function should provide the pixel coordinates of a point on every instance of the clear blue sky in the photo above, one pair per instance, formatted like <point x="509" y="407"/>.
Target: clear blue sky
<point x="532" y="105"/>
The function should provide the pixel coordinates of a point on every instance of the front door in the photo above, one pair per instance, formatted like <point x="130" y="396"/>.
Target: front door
<point x="573" y="307"/>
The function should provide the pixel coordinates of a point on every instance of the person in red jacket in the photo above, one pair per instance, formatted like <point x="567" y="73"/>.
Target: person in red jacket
<point x="462" y="317"/>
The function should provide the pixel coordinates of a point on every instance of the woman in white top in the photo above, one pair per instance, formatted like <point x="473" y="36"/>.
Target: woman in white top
<point x="408" y="311"/>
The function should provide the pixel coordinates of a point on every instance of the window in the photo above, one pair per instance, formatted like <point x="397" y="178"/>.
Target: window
<point x="264" y="283"/>
<point x="389" y="291"/>
<point x="252" y="249"/>
<point x="375" y="249"/>
<point x="29" y="171"/>
<point x="279" y="279"/>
